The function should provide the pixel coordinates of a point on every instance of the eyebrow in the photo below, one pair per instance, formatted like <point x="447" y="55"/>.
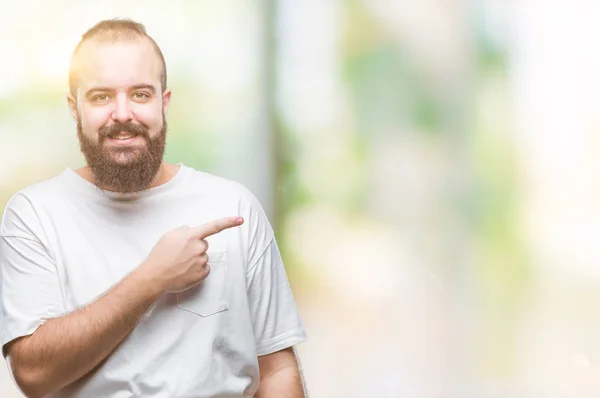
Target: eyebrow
<point x="142" y="86"/>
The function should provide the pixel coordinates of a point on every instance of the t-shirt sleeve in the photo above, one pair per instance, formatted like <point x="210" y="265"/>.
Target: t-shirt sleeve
<point x="275" y="316"/>
<point x="277" y="322"/>
<point x="29" y="288"/>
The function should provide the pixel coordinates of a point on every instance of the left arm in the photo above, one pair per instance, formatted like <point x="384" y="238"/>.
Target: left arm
<point x="280" y="375"/>
<point x="275" y="318"/>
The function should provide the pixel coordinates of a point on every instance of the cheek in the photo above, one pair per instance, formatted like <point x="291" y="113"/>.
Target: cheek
<point x="151" y="116"/>
<point x="93" y="119"/>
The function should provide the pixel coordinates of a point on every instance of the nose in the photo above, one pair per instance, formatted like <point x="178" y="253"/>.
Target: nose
<point x="122" y="112"/>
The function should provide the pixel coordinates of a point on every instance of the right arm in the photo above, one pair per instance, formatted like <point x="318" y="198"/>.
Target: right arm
<point x="65" y="348"/>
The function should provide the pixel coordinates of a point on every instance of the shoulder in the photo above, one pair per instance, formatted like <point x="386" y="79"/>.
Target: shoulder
<point x="23" y="206"/>
<point x="221" y="187"/>
<point x="234" y="196"/>
<point x="43" y="190"/>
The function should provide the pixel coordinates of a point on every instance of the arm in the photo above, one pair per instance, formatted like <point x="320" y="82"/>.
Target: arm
<point x="276" y="321"/>
<point x="280" y="376"/>
<point x="65" y="348"/>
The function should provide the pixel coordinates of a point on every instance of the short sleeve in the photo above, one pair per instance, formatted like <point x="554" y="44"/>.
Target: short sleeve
<point x="30" y="292"/>
<point x="276" y="320"/>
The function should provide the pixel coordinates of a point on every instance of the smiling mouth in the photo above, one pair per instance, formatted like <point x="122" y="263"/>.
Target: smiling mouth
<point x="122" y="136"/>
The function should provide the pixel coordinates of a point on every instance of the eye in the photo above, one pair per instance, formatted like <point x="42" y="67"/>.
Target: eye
<point x="141" y="95"/>
<point x="100" y="97"/>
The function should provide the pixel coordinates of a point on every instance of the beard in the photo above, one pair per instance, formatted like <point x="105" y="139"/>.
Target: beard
<point x="126" y="169"/>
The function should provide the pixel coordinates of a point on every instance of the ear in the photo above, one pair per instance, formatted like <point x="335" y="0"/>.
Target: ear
<point x="166" y="100"/>
<point x="72" y="102"/>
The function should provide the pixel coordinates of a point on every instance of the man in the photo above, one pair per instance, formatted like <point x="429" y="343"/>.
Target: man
<point x="132" y="277"/>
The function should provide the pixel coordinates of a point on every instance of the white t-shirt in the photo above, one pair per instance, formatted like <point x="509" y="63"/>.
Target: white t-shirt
<point x="64" y="242"/>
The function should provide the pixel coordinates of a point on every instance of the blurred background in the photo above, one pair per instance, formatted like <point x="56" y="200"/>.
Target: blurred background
<point x="431" y="169"/>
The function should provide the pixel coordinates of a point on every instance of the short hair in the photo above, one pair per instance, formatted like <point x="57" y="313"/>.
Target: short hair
<point x="114" y="30"/>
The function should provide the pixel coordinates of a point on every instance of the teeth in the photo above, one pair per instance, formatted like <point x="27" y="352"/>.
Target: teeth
<point x="124" y="137"/>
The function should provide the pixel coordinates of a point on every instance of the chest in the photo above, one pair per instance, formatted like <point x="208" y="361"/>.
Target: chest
<point x="96" y="248"/>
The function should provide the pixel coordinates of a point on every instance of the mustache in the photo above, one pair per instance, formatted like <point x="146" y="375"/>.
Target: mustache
<point x="114" y="129"/>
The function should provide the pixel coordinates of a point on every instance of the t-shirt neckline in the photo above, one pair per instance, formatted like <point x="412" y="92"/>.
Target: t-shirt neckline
<point x="87" y="187"/>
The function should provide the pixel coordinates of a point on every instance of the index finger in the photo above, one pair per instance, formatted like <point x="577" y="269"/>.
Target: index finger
<point x="216" y="226"/>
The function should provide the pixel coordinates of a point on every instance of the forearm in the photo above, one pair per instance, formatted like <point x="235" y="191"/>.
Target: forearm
<point x="284" y="383"/>
<point x="66" y="348"/>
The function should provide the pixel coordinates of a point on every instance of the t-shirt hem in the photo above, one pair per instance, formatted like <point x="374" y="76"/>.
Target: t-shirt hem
<point x="287" y="340"/>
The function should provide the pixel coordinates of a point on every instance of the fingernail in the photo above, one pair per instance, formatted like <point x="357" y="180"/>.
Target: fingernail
<point x="239" y="220"/>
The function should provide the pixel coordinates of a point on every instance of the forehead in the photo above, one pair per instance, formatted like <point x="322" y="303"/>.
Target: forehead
<point x="117" y="64"/>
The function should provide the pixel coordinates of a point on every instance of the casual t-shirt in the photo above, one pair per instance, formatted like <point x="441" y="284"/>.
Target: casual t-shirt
<point x="64" y="242"/>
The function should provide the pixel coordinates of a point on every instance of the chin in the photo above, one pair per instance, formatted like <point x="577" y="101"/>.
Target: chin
<point x="125" y="158"/>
